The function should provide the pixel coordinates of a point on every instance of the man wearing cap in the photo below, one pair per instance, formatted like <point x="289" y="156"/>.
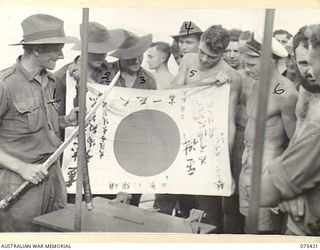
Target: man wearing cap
<point x="187" y="41"/>
<point x="29" y="125"/>
<point x="132" y="75"/>
<point x="130" y="55"/>
<point x="157" y="58"/>
<point x="99" y="70"/>
<point x="280" y="125"/>
<point x="292" y="180"/>
<point x="188" y="38"/>
<point x="208" y="67"/>
<point x="100" y="42"/>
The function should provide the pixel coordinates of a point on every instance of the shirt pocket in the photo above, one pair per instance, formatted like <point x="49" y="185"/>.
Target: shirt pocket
<point x="30" y="112"/>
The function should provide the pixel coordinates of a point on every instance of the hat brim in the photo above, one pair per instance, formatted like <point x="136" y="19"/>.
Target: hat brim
<point x="116" y="39"/>
<point x="187" y="34"/>
<point x="135" y="51"/>
<point x="246" y="51"/>
<point x="50" y="40"/>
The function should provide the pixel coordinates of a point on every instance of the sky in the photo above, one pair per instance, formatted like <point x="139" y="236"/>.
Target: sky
<point x="161" y="23"/>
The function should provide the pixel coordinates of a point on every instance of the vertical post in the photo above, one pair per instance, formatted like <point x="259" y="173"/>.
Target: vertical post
<point x="81" y="119"/>
<point x="264" y="85"/>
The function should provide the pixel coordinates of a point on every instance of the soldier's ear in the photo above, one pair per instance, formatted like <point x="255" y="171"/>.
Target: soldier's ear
<point x="163" y="57"/>
<point x="36" y="50"/>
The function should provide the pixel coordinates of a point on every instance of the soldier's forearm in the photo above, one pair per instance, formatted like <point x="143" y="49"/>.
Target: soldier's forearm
<point x="9" y="162"/>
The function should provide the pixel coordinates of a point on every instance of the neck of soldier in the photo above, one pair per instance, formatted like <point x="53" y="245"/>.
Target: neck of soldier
<point x="30" y="64"/>
<point x="274" y="75"/>
<point x="163" y="68"/>
<point x="129" y="72"/>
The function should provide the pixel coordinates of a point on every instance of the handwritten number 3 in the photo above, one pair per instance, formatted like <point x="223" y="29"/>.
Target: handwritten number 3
<point x="143" y="80"/>
<point x="278" y="91"/>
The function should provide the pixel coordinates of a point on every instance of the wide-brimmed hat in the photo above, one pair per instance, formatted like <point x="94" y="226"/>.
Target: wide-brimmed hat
<point x="188" y="28"/>
<point x="133" y="46"/>
<point x="44" y="29"/>
<point x="253" y="47"/>
<point x="100" y="39"/>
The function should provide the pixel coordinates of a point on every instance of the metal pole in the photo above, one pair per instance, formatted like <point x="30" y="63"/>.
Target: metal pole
<point x="82" y="116"/>
<point x="264" y="85"/>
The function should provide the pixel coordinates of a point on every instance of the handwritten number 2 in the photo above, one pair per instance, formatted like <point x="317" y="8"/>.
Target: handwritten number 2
<point x="278" y="91"/>
<point x="106" y="77"/>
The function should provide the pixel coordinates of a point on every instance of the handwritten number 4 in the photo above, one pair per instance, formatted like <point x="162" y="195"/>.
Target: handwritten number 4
<point x="278" y="91"/>
<point x="188" y="27"/>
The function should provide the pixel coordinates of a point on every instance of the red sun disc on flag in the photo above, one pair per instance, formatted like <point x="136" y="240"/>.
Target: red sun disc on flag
<point x="146" y="142"/>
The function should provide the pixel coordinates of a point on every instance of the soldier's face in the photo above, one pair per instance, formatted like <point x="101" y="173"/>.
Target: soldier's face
<point x="314" y="61"/>
<point x="49" y="54"/>
<point x="131" y="65"/>
<point x="252" y="66"/>
<point x="232" y="54"/>
<point x="96" y="60"/>
<point x="188" y="44"/>
<point x="302" y="61"/>
<point x="282" y="38"/>
<point x="153" y="58"/>
<point x="207" y="59"/>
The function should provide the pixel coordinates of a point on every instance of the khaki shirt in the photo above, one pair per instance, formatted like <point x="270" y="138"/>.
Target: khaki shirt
<point x="29" y="120"/>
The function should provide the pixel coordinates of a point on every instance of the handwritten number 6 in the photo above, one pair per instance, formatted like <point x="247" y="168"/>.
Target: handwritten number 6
<point x="278" y="91"/>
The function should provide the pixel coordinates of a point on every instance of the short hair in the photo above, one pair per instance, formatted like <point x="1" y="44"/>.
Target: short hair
<point x="29" y="48"/>
<point x="234" y="35"/>
<point x="282" y="32"/>
<point x="314" y="35"/>
<point x="216" y="38"/>
<point x="164" y="48"/>
<point x="300" y="37"/>
<point x="174" y="48"/>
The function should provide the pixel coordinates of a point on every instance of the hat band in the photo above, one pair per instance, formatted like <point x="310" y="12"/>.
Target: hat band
<point x="254" y="45"/>
<point x="44" y="34"/>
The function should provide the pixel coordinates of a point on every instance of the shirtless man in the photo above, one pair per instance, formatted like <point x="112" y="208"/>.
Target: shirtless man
<point x="300" y="197"/>
<point x="157" y="58"/>
<point x="207" y="67"/>
<point x="232" y="53"/>
<point x="280" y="125"/>
<point x="187" y="41"/>
<point x="233" y="220"/>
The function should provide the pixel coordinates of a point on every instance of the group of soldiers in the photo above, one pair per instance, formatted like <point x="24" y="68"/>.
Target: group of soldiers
<point x="33" y="117"/>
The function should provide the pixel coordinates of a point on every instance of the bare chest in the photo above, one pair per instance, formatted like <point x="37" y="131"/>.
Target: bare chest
<point x="194" y="74"/>
<point x="253" y="102"/>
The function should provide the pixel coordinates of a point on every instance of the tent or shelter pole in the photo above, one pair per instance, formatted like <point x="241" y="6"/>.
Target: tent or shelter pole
<point x="264" y="85"/>
<point x="82" y="116"/>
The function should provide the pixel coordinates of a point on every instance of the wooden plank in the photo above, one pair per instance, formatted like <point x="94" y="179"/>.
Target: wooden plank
<point x="264" y="85"/>
<point x="110" y="216"/>
<point x="82" y="116"/>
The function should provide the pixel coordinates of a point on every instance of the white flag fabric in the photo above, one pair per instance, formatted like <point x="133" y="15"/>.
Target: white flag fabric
<point x="154" y="141"/>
